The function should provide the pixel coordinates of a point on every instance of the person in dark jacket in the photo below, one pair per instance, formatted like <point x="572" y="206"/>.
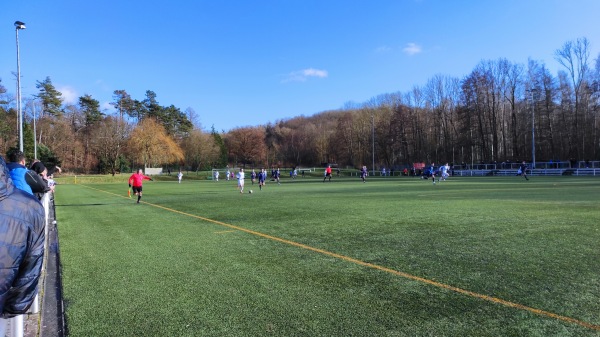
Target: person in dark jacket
<point x="39" y="179"/>
<point x="523" y="170"/>
<point x="22" y="221"/>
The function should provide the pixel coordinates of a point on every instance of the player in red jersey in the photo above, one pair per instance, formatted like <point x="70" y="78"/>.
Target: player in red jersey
<point x="135" y="181"/>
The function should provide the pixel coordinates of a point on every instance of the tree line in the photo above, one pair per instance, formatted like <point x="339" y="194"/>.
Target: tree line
<point x="496" y="113"/>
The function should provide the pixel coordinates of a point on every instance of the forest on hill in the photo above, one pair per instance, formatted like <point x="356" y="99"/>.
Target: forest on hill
<point x="500" y="111"/>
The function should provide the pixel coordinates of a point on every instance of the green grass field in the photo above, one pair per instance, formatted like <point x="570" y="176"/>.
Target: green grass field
<point x="489" y="256"/>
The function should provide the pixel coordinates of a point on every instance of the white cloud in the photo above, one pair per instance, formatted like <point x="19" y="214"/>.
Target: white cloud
<point x="304" y="75"/>
<point x="69" y="95"/>
<point x="412" y="49"/>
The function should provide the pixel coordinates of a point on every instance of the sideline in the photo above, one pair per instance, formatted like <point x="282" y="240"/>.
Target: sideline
<point x="492" y="299"/>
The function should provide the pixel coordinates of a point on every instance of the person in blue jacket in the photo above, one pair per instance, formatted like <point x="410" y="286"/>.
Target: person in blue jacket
<point x="22" y="222"/>
<point x="24" y="179"/>
<point x="18" y="170"/>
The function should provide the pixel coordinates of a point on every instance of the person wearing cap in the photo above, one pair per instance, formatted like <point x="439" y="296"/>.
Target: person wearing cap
<point x="22" y="222"/>
<point x="39" y="168"/>
<point x="41" y="179"/>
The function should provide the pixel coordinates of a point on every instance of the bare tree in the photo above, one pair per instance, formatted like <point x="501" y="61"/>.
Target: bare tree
<point x="574" y="56"/>
<point x="108" y="141"/>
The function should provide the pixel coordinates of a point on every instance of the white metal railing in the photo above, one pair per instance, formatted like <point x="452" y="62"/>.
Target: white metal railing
<point x="535" y="172"/>
<point x="582" y="164"/>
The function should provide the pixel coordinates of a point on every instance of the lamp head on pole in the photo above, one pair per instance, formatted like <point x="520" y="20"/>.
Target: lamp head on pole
<point x="20" y="25"/>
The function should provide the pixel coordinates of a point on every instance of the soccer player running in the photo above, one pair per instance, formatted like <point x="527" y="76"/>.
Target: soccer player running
<point x="240" y="177"/>
<point x="277" y="176"/>
<point x="327" y="173"/>
<point x="262" y="176"/>
<point x="523" y="170"/>
<point x="135" y="181"/>
<point x="443" y="172"/>
<point x="363" y="174"/>
<point x="432" y="172"/>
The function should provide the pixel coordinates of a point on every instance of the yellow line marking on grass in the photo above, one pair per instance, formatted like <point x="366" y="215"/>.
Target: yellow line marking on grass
<point x="381" y="268"/>
<point x="225" y="232"/>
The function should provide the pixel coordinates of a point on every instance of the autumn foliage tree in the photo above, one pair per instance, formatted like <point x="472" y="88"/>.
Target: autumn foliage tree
<point x="150" y="145"/>
<point x="200" y="150"/>
<point x="246" y="145"/>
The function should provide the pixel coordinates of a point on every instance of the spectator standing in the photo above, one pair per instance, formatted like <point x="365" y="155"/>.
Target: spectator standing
<point x="22" y="224"/>
<point x="42" y="180"/>
<point x="18" y="170"/>
<point x="51" y="182"/>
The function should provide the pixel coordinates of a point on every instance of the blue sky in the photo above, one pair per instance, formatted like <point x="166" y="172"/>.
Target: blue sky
<point x="246" y="63"/>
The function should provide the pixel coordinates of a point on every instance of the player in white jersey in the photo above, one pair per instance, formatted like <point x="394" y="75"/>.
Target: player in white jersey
<point x="240" y="177"/>
<point x="444" y="172"/>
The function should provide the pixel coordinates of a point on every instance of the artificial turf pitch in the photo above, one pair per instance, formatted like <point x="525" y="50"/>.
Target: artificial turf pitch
<point x="485" y="256"/>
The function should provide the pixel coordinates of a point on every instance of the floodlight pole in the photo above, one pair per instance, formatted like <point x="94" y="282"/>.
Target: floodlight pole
<point x="34" y="132"/>
<point x="18" y="26"/>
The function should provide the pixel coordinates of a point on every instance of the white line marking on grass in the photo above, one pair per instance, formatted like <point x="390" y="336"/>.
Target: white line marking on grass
<point x="381" y="268"/>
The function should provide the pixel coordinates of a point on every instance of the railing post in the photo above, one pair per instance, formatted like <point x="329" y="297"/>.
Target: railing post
<point x="3" y="324"/>
<point x="17" y="326"/>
